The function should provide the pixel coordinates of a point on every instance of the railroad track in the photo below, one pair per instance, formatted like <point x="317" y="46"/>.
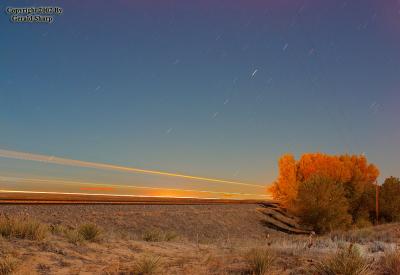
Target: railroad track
<point x="15" y="197"/>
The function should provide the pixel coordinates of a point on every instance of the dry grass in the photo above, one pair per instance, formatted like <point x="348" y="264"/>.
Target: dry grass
<point x="390" y="262"/>
<point x="90" y="232"/>
<point x="148" y="265"/>
<point x="159" y="236"/>
<point x="260" y="261"/>
<point x="216" y="251"/>
<point x="7" y="265"/>
<point x="170" y="236"/>
<point x="57" y="229"/>
<point x="86" y="232"/>
<point x="347" y="261"/>
<point x="22" y="228"/>
<point x="73" y="237"/>
<point x="381" y="233"/>
<point x="152" y="236"/>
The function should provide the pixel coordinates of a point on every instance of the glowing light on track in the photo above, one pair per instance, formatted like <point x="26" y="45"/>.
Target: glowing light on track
<point x="104" y="166"/>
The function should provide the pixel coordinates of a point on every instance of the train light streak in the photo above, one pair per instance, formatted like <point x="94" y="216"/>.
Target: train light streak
<point x="104" y="166"/>
<point x="91" y="186"/>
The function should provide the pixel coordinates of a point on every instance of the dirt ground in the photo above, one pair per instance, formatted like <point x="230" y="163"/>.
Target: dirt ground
<point x="205" y="239"/>
<point x="205" y="222"/>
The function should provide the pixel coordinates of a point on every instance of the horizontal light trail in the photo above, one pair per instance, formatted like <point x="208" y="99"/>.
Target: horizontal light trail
<point x="33" y="180"/>
<point x="87" y="164"/>
<point x="97" y="194"/>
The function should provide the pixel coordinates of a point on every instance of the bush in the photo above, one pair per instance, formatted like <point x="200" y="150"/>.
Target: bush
<point x="90" y="232"/>
<point x="22" y="229"/>
<point x="345" y="262"/>
<point x="321" y="204"/>
<point x="390" y="262"/>
<point x="260" y="261"/>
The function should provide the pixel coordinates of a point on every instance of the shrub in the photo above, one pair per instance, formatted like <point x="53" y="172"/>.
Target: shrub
<point x="22" y="229"/>
<point x="90" y="232"/>
<point x="7" y="265"/>
<point x="321" y="203"/>
<point x="345" y="262"/>
<point x="260" y="261"/>
<point x="390" y="262"/>
<point x="390" y="199"/>
<point x="147" y="266"/>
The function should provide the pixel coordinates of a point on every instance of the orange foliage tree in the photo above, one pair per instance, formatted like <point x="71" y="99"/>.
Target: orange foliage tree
<point x="285" y="188"/>
<point x="352" y="171"/>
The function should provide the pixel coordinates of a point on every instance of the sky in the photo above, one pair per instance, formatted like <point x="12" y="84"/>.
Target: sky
<point x="218" y="89"/>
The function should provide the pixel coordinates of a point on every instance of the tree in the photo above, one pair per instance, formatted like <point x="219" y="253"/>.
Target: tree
<point x="390" y="199"/>
<point x="360" y="189"/>
<point x="285" y="188"/>
<point x="323" y="165"/>
<point x="321" y="203"/>
<point x="352" y="172"/>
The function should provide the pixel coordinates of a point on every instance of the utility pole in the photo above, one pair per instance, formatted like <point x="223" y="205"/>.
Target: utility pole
<point x="377" y="202"/>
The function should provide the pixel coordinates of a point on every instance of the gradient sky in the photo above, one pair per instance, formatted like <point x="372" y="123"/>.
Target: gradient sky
<point x="210" y="88"/>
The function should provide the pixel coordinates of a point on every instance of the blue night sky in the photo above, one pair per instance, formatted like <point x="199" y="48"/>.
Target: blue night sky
<point x="211" y="88"/>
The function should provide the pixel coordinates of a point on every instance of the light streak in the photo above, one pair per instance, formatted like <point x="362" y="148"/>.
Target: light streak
<point x="90" y="194"/>
<point x="33" y="180"/>
<point x="96" y="165"/>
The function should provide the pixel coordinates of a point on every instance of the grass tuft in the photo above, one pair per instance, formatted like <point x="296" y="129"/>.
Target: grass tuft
<point x="348" y="261"/>
<point x="22" y="228"/>
<point x="260" y="261"/>
<point x="73" y="236"/>
<point x="147" y="266"/>
<point x="7" y="265"/>
<point x="90" y="232"/>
